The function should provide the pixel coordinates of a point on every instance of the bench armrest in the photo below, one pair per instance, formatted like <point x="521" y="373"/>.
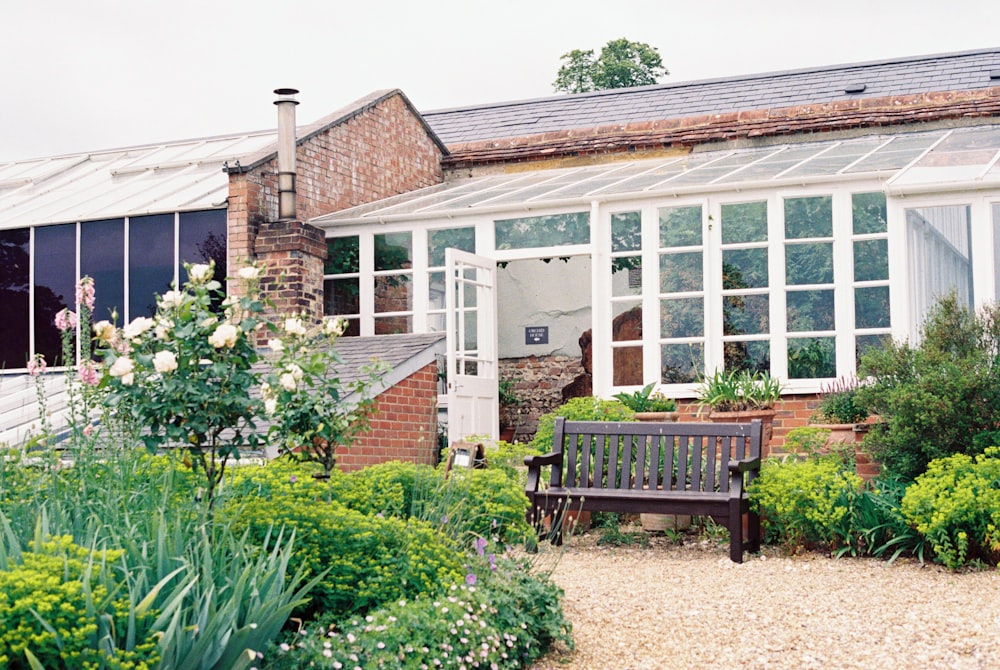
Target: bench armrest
<point x="535" y="464"/>
<point x="744" y="465"/>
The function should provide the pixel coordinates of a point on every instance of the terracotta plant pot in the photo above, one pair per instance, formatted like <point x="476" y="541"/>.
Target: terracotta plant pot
<point x="658" y="523"/>
<point x="657" y="416"/>
<point x="766" y="417"/>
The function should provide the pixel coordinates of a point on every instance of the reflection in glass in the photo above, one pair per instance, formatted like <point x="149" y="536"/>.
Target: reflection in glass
<point x="393" y="251"/>
<point x="543" y="231"/>
<point x="627" y="362"/>
<point x="682" y="317"/>
<point x="810" y="263"/>
<point x="680" y="226"/>
<point x="808" y="217"/>
<point x="463" y="239"/>
<point x="626" y="231"/>
<point x="754" y="356"/>
<point x="150" y="262"/>
<point x="627" y="326"/>
<point x="626" y="276"/>
<point x="744" y="268"/>
<point x="342" y="255"/>
<point x="341" y="296"/>
<point x="864" y="343"/>
<point x="681" y="272"/>
<point x="102" y="256"/>
<point x="745" y="315"/>
<point x="744" y="222"/>
<point x="811" y="358"/>
<point x="869" y="213"/>
<point x="871" y="307"/>
<point x="871" y="260"/>
<point x="14" y="314"/>
<point x="681" y="363"/>
<point x="809" y="310"/>
<point x="201" y="239"/>
<point x="393" y="325"/>
<point x="393" y="293"/>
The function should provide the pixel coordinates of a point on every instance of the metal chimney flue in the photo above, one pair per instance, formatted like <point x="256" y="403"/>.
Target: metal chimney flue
<point x="286" y="152"/>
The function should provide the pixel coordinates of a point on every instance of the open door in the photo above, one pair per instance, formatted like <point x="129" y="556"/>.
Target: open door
<point x="470" y="301"/>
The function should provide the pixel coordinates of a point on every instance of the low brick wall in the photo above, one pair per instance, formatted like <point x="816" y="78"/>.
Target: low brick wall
<point x="404" y="427"/>
<point x="538" y="385"/>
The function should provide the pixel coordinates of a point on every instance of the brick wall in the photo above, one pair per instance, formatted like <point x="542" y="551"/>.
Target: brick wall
<point x="792" y="412"/>
<point x="404" y="427"/>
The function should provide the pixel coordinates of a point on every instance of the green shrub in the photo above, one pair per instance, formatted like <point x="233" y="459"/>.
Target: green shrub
<point x="840" y="403"/>
<point x="54" y="604"/>
<point x="933" y="398"/>
<point x="506" y="620"/>
<point x="509" y="457"/>
<point x="805" y="504"/>
<point x="578" y="409"/>
<point x="955" y="504"/>
<point x="487" y="503"/>
<point x="879" y="528"/>
<point x="370" y="560"/>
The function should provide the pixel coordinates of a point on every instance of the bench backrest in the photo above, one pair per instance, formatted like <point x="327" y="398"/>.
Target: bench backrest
<point x="637" y="455"/>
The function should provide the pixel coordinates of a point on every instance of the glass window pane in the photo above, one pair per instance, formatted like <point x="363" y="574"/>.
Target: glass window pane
<point x="150" y="262"/>
<point x="939" y="243"/>
<point x="681" y="272"/>
<point x="754" y="356"/>
<point x="682" y="363"/>
<point x="55" y="285"/>
<point x="871" y="307"/>
<point x="393" y="251"/>
<point x="627" y="363"/>
<point x="463" y="239"/>
<point x="393" y="325"/>
<point x="864" y="343"/>
<point x="808" y="217"/>
<point x="683" y="317"/>
<point x="341" y="255"/>
<point x="554" y="230"/>
<point x="393" y="293"/>
<point x="996" y="251"/>
<point x="435" y="290"/>
<point x="871" y="260"/>
<point x="341" y="296"/>
<point x="744" y="222"/>
<point x="809" y="263"/>
<point x="680" y="226"/>
<point x="812" y="358"/>
<point x="744" y="268"/>
<point x="627" y="328"/>
<point x="810" y="310"/>
<point x="626" y="231"/>
<point x="868" y="213"/>
<point x="14" y="281"/>
<point x="201" y="239"/>
<point x="626" y="276"/>
<point x="102" y="256"/>
<point x="745" y="314"/>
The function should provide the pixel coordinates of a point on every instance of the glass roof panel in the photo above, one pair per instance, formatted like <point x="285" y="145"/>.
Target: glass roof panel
<point x="662" y="173"/>
<point x="543" y="188"/>
<point x="837" y="158"/>
<point x="496" y="187"/>
<point x="708" y="173"/>
<point x="897" y="154"/>
<point x="965" y="155"/>
<point x="601" y="178"/>
<point x="774" y="164"/>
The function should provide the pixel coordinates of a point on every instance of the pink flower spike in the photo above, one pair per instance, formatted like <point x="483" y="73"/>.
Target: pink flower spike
<point x="36" y="365"/>
<point x="85" y="292"/>
<point x="65" y="320"/>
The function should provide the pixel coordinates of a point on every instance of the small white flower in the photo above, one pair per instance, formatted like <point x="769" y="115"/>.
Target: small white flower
<point x="293" y="326"/>
<point x="104" y="331"/>
<point x="172" y="299"/>
<point x="162" y="330"/>
<point x="164" y="361"/>
<point x="200" y="273"/>
<point x="334" y="326"/>
<point x="122" y="366"/>
<point x="128" y="379"/>
<point x="287" y="381"/>
<point x="295" y="371"/>
<point x="271" y="405"/>
<point x="225" y="335"/>
<point x="249" y="272"/>
<point x="275" y="345"/>
<point x="138" y="326"/>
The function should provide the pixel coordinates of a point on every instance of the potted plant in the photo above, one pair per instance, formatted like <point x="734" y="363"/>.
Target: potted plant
<point x="649" y="405"/>
<point x="841" y="412"/>
<point x="741" y="395"/>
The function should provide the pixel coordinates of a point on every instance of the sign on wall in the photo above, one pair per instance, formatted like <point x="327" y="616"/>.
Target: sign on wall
<point x="536" y="335"/>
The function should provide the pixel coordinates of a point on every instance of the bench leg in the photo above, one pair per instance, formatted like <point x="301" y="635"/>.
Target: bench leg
<point x="753" y="532"/>
<point x="735" y="522"/>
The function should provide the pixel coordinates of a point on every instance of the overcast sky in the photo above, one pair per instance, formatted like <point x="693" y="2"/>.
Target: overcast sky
<point x="98" y="74"/>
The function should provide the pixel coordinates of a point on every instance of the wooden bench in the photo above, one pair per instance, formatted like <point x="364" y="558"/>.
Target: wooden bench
<point x="642" y="467"/>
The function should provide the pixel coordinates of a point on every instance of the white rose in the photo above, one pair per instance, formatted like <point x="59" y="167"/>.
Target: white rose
<point x="138" y="326"/>
<point x="128" y="379"/>
<point x="164" y="361"/>
<point x="122" y="366"/>
<point x="266" y="391"/>
<point x="295" y="371"/>
<point x="162" y="330"/>
<point x="270" y="405"/>
<point x="200" y="273"/>
<point x="104" y="331"/>
<point x="334" y="326"/>
<point x="287" y="381"/>
<point x="275" y="345"/>
<point x="293" y="326"/>
<point x="172" y="299"/>
<point x="249" y="272"/>
<point x="225" y="335"/>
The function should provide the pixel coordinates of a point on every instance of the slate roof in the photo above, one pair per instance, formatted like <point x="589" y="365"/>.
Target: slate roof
<point x="961" y="71"/>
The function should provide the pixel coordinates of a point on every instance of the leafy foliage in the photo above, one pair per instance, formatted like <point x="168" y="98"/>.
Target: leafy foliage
<point x="621" y="64"/>
<point x="578" y="409"/>
<point x="644" y="400"/>
<point x="840" y="403"/>
<point x="739" y="390"/>
<point x="955" y="504"/>
<point x="934" y="398"/>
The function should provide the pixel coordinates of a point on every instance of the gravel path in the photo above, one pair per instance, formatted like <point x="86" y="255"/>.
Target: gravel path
<point x="690" y="607"/>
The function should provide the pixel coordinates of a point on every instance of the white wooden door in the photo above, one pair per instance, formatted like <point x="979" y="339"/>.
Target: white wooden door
<point x="471" y="303"/>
